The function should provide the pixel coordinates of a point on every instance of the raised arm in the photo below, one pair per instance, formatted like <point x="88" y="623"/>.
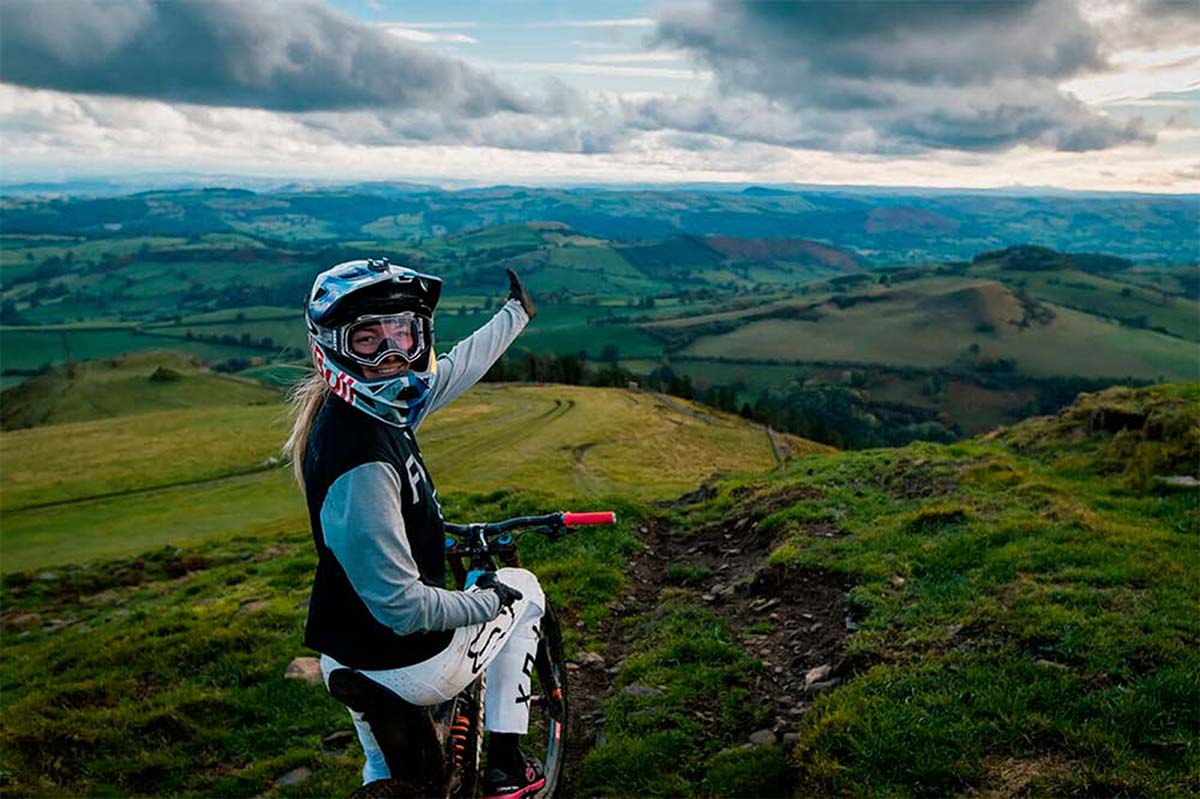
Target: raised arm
<point x="470" y="358"/>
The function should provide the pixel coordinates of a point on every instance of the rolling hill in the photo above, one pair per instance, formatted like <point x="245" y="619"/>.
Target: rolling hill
<point x="130" y="384"/>
<point x="1012" y="615"/>
<point x="120" y="484"/>
<point x="910" y="225"/>
<point x="937" y="323"/>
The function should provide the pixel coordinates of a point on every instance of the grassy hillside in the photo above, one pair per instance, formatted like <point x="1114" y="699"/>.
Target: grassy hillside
<point x="101" y="389"/>
<point x="938" y="322"/>
<point x="1019" y="617"/>
<point x="1013" y="615"/>
<point x="85" y="490"/>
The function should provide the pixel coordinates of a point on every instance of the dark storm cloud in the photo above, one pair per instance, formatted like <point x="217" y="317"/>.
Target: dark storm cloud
<point x="293" y="57"/>
<point x="902" y="74"/>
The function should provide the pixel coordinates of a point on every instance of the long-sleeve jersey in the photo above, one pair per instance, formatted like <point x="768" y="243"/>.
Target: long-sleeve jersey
<point x="378" y="598"/>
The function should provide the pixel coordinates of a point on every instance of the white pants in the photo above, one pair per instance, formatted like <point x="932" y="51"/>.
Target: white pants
<point x="505" y="647"/>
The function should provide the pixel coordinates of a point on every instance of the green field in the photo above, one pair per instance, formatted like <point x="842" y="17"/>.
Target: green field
<point x="933" y="323"/>
<point x="32" y="349"/>
<point x="1109" y="298"/>
<point x="101" y="389"/>
<point x="160" y="477"/>
<point x="1020" y="611"/>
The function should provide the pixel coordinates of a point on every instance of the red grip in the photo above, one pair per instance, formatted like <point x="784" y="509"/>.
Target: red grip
<point x="596" y="517"/>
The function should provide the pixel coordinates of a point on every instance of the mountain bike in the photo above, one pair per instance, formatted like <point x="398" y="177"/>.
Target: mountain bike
<point x="439" y="749"/>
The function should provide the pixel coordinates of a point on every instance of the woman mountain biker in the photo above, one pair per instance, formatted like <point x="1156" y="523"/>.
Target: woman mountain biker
<point x="378" y="602"/>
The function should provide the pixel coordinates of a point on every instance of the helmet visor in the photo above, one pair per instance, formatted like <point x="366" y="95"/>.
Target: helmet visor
<point x="371" y="339"/>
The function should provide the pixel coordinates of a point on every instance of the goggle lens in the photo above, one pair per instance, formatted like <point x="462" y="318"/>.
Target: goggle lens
<point x="371" y="339"/>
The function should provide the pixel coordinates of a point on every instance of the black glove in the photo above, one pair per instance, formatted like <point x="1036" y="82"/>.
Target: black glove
<point x="517" y="292"/>
<point x="506" y="593"/>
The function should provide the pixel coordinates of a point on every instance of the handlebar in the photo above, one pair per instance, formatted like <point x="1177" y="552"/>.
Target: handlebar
<point x="475" y="546"/>
<point x="550" y="522"/>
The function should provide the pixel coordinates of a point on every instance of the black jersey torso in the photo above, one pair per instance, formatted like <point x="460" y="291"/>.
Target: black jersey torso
<point x="339" y="623"/>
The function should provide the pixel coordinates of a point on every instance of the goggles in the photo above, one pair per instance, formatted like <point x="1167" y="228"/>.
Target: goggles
<point x="370" y="339"/>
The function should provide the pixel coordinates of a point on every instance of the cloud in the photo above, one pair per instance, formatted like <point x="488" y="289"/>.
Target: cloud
<point x="625" y="22"/>
<point x="1144" y="24"/>
<point x="424" y="36"/>
<point x="908" y="74"/>
<point x="898" y="79"/>
<point x="295" y="57"/>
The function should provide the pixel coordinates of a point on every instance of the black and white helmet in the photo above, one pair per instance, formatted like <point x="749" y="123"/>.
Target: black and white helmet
<point x="363" y="313"/>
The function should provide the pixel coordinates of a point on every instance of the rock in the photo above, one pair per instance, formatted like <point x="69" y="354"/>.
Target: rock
<point x="591" y="660"/>
<point x="640" y="690"/>
<point x="255" y="606"/>
<point x="338" y="740"/>
<point x="763" y="738"/>
<point x="790" y="739"/>
<point x="294" y="777"/>
<point x="899" y="582"/>
<point x="823" y="686"/>
<point x="1178" y="481"/>
<point x="816" y="675"/>
<point x="708" y="597"/>
<point x="850" y="625"/>
<point x="307" y="669"/>
<point x="46" y="577"/>
<point x="572" y="666"/>
<point x="57" y="624"/>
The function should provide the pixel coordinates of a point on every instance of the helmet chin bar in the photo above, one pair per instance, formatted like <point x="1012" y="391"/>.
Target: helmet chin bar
<point x="398" y="400"/>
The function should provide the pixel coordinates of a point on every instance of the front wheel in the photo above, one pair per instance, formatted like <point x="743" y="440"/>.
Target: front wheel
<point x="547" y="737"/>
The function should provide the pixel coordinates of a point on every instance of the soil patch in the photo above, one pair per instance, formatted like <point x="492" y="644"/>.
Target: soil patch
<point x="795" y="621"/>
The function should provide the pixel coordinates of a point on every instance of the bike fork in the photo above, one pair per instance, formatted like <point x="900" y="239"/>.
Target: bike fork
<point x="464" y="743"/>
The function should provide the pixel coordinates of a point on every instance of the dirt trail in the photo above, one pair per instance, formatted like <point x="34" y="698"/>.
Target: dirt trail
<point x="805" y="612"/>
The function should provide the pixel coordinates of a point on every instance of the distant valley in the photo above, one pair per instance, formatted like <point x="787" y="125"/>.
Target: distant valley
<point x="887" y="317"/>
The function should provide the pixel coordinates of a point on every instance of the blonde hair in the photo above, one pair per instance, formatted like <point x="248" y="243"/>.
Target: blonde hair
<point x="304" y="399"/>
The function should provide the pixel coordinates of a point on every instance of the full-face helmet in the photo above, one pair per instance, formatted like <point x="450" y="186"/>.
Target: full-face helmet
<point x="371" y="316"/>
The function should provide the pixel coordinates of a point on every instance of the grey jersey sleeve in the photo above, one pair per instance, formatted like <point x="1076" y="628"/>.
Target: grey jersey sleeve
<point x="361" y="520"/>
<point x="470" y="358"/>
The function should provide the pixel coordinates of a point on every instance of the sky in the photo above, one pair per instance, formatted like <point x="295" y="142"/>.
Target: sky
<point x="1072" y="94"/>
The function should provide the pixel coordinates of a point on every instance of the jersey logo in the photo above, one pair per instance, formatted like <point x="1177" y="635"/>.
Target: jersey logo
<point x="416" y="476"/>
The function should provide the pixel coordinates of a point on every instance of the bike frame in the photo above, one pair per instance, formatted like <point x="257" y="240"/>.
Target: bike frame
<point x="446" y="740"/>
<point x="472" y="549"/>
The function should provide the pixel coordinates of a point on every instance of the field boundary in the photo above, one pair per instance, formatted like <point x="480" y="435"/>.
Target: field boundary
<point x="58" y="503"/>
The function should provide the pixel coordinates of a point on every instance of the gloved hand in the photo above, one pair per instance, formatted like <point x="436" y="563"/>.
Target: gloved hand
<point x="506" y="593"/>
<point x="517" y="292"/>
